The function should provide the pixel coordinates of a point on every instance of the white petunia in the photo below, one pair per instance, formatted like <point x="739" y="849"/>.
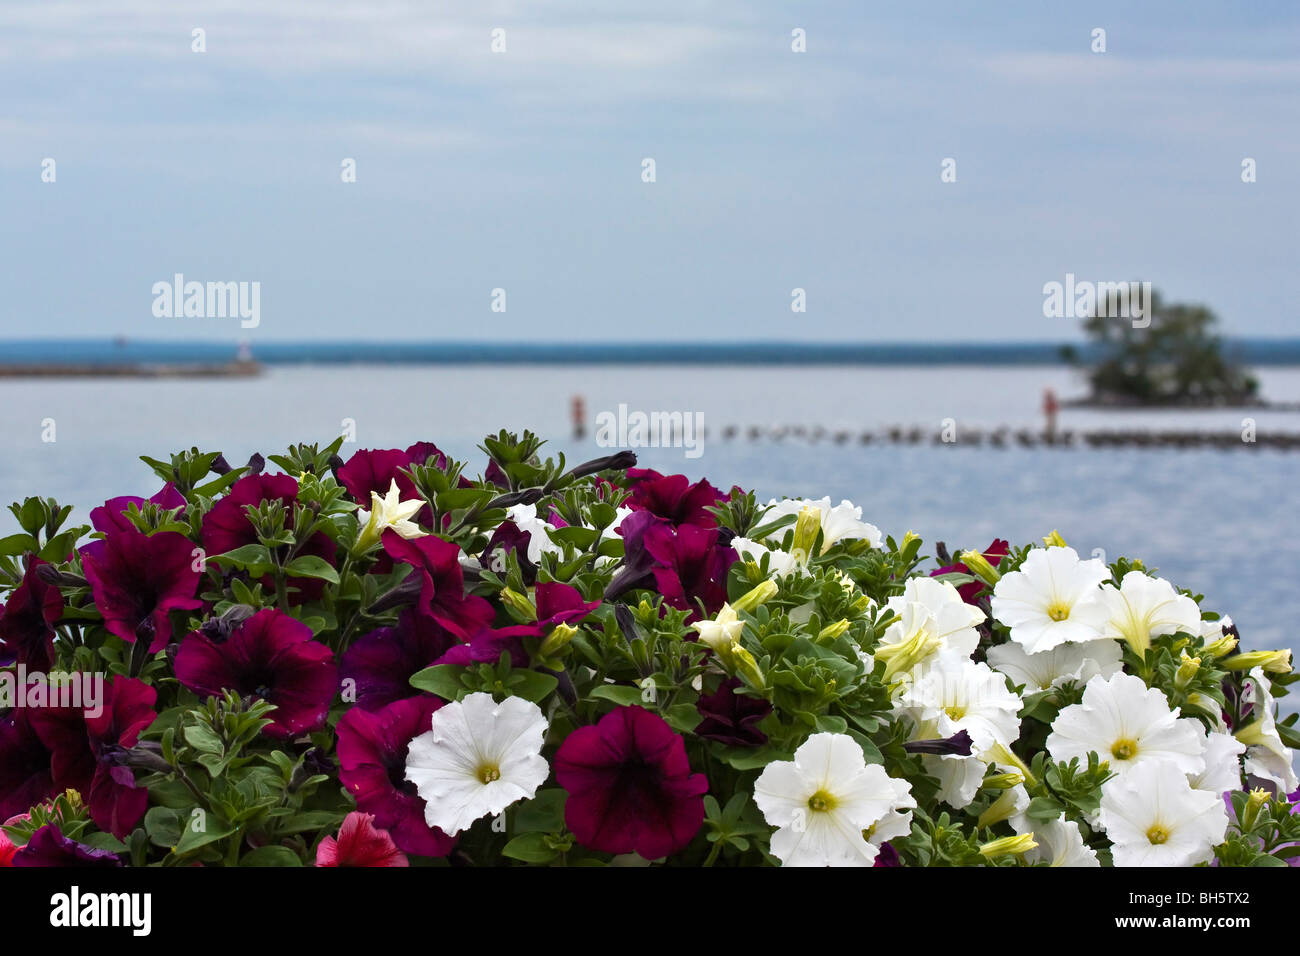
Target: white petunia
<point x="957" y="695"/>
<point x="387" y="512"/>
<point x="478" y="758"/>
<point x="840" y="523"/>
<point x="723" y="631"/>
<point x="1222" y="764"/>
<point x="1060" y="842"/>
<point x="1068" y="662"/>
<point x="1143" y="607"/>
<point x="898" y="821"/>
<point x="539" y="538"/>
<point x="959" y="777"/>
<point x="1153" y="817"/>
<point x="1267" y="757"/>
<point x="823" y="800"/>
<point x="1053" y="599"/>
<point x="780" y="563"/>
<point x="1126" y="724"/>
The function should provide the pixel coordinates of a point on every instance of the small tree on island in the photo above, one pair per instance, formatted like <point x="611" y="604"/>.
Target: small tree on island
<point x="1176" y="360"/>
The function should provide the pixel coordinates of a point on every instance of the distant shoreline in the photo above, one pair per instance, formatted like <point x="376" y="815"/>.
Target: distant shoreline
<point x="97" y="354"/>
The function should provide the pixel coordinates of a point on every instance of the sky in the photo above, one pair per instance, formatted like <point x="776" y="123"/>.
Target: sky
<point x="522" y="170"/>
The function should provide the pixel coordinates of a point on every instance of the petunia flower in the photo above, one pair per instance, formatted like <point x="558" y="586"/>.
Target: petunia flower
<point x="136" y="579"/>
<point x="823" y="801"/>
<point x="226" y="527"/>
<point x="380" y="664"/>
<point x="25" y="760"/>
<point x="731" y="718"/>
<point x="1143" y="607"/>
<point x="1153" y="817"/>
<point x="1267" y="757"/>
<point x="674" y="498"/>
<point x="1222" y="764"/>
<point x="1052" y="599"/>
<point x="372" y="750"/>
<point x="360" y="843"/>
<point x="442" y="583"/>
<point x="690" y="567"/>
<point x="86" y="751"/>
<point x="49" y="847"/>
<point x="630" y="785"/>
<point x="477" y="759"/>
<point x="1127" y="724"/>
<point x="27" y="621"/>
<point x="958" y="694"/>
<point x="556" y="603"/>
<point x="1066" y="663"/>
<point x="111" y="515"/>
<point x="270" y="656"/>
<point x="389" y="514"/>
<point x="843" y="522"/>
<point x="932" y="620"/>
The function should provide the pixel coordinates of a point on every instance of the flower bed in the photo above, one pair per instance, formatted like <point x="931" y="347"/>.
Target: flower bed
<point x="387" y="662"/>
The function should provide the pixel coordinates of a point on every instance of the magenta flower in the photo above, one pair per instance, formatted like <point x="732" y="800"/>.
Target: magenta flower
<point x="137" y="578"/>
<point x="442" y="583"/>
<point x="27" y="621"/>
<point x="360" y="843"/>
<point x="690" y="566"/>
<point x="372" y="750"/>
<point x="731" y="718"/>
<point x="630" y="786"/>
<point x="25" y="776"/>
<point x="557" y="603"/>
<point x="86" y="752"/>
<point x="382" y="662"/>
<point x="673" y="497"/>
<point x="226" y="527"/>
<point x="49" y="847"/>
<point x="111" y="515"/>
<point x="270" y="656"/>
<point x="375" y="469"/>
<point x="971" y="591"/>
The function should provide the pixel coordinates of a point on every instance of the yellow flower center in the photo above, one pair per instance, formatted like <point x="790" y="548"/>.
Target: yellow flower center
<point x="821" y="801"/>
<point x="489" y="772"/>
<point x="1058" y="611"/>
<point x="955" y="712"/>
<point x="1157" y="835"/>
<point x="1124" y="749"/>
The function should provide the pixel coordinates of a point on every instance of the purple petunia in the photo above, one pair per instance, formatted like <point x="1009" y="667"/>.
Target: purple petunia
<point x="27" y="621"/>
<point x="270" y="656"/>
<point x="137" y="579"/>
<point x="382" y="662"/>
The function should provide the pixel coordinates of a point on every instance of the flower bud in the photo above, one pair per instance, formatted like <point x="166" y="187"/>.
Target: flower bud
<point x="1054" y="540"/>
<point x="806" y="529"/>
<point x="979" y="566"/>
<point x="756" y="596"/>
<point x="1006" y="805"/>
<point x="1008" y="846"/>
<point x="1187" y="671"/>
<point x="999" y="753"/>
<point x="1223" y="646"/>
<point x="1274" y="662"/>
<point x="518" y="602"/>
<point x="557" y="640"/>
<point x="1004" y="781"/>
<point x="900" y="658"/>
<point x="1254" y="803"/>
<point x="831" y="631"/>
<point x="746" y="666"/>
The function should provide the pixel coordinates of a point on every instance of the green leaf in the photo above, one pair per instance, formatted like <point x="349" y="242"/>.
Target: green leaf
<point x="310" y="566"/>
<point x="164" y="826"/>
<point x="532" y="685"/>
<point x="16" y="544"/>
<point x="531" y="848"/>
<point x="619" y="693"/>
<point x="204" y="739"/>
<point x="211" y="829"/>
<point x="441" y="679"/>
<point x="545" y="812"/>
<point x="248" y="557"/>
<point x="271" y="856"/>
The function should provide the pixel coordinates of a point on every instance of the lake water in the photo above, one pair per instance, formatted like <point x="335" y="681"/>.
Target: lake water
<point x="1223" y="523"/>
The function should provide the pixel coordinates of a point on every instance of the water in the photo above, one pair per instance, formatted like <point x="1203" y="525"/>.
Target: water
<point x="1222" y="523"/>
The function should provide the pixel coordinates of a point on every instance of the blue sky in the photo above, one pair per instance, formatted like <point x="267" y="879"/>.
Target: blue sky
<point x="521" y="170"/>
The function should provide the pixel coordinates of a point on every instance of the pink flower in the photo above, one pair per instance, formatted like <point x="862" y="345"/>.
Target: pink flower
<point x="360" y="843"/>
